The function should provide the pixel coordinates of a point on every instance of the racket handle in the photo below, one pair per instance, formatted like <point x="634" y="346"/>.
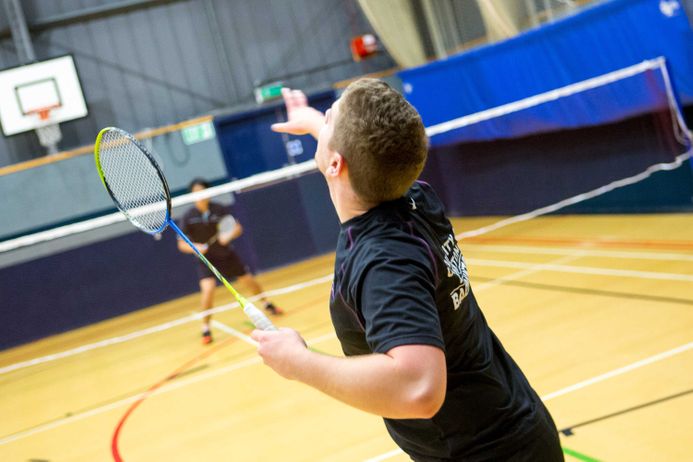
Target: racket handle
<point x="257" y="317"/>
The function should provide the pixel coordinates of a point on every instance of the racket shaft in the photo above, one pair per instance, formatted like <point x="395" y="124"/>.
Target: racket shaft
<point x="256" y="316"/>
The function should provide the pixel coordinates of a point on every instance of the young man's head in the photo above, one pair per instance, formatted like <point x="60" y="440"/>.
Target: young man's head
<point x="381" y="138"/>
<point x="198" y="184"/>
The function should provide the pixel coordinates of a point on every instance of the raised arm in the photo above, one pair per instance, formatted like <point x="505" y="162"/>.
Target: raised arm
<point x="302" y="119"/>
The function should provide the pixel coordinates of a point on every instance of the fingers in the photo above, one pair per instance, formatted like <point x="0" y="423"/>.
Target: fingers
<point x="294" y="98"/>
<point x="283" y="127"/>
<point x="257" y="335"/>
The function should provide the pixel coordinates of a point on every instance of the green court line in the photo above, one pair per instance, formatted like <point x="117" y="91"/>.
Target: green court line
<point x="579" y="456"/>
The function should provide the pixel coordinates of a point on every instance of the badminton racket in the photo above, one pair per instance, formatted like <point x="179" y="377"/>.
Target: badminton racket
<point x="225" y="229"/>
<point x="138" y="188"/>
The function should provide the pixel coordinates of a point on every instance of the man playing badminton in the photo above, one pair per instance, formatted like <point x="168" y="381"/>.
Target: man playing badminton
<point x="418" y="349"/>
<point x="201" y="224"/>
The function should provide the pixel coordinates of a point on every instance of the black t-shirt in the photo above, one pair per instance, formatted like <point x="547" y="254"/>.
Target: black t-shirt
<point x="201" y="227"/>
<point x="400" y="279"/>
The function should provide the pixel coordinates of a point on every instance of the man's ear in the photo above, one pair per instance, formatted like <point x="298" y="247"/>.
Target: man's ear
<point x="336" y="165"/>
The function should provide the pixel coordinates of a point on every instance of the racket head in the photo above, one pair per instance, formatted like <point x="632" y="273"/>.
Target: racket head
<point x="226" y="226"/>
<point x="133" y="179"/>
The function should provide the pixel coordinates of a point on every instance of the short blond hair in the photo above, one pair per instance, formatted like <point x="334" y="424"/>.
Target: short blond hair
<point x="382" y="138"/>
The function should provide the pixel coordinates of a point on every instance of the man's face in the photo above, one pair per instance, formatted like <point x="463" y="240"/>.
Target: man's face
<point x="322" y="153"/>
<point x="202" y="204"/>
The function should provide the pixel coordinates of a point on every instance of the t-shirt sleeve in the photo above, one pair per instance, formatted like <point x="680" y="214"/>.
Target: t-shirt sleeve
<point x="397" y="302"/>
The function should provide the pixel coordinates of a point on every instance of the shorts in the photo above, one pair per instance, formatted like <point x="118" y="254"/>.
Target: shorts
<point x="230" y="266"/>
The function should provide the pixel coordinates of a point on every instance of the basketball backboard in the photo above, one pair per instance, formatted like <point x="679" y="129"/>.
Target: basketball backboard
<point x="40" y="94"/>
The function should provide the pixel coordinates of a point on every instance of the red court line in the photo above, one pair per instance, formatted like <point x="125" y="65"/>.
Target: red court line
<point x="575" y="242"/>
<point x="116" y="434"/>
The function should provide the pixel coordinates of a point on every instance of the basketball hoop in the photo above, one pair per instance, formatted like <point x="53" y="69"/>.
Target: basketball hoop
<point x="43" y="113"/>
<point x="48" y="133"/>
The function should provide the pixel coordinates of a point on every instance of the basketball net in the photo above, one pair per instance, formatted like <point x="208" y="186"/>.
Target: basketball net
<point x="49" y="135"/>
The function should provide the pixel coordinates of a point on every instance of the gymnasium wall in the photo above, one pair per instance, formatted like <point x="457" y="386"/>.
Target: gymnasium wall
<point x="154" y="63"/>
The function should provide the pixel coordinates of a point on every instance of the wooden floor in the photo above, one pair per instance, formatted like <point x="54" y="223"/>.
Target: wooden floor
<point x="597" y="310"/>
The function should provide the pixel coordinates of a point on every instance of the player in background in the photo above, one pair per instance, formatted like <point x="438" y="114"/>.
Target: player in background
<point x="201" y="224"/>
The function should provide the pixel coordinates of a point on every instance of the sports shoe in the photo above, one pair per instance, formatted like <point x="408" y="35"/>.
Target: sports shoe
<point x="273" y="309"/>
<point x="207" y="337"/>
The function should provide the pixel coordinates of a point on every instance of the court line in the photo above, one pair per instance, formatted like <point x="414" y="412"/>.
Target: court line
<point x="586" y="270"/>
<point x="115" y="451"/>
<point x="231" y="331"/>
<point x="385" y="456"/>
<point x="586" y="252"/>
<point x="529" y="269"/>
<point x="160" y="327"/>
<point x="620" y="371"/>
<point x="579" y="455"/>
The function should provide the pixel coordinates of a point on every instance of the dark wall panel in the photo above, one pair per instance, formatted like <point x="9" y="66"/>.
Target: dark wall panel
<point x="89" y="284"/>
<point x="509" y="177"/>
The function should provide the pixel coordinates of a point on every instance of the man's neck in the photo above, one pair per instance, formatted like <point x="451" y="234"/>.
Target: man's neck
<point x="346" y="203"/>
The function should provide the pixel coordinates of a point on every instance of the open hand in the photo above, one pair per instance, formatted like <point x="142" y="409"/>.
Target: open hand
<point x="303" y="119"/>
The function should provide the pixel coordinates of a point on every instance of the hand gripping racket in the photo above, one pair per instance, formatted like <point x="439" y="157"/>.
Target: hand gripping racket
<point x="138" y="188"/>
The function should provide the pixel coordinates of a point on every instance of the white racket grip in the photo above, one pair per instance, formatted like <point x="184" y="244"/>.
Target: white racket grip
<point x="258" y="318"/>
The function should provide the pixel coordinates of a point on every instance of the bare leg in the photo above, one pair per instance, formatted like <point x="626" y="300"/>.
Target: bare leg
<point x="207" y="286"/>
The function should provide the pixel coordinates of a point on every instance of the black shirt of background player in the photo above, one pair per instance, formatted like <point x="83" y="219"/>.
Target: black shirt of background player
<point x="400" y="279"/>
<point x="201" y="227"/>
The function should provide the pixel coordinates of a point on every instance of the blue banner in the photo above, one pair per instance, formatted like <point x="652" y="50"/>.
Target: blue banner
<point x="619" y="34"/>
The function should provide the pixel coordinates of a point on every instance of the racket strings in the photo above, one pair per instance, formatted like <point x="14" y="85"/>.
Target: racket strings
<point x="134" y="181"/>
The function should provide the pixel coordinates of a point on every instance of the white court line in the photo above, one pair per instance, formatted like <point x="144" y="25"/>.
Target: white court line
<point x="530" y="269"/>
<point x="231" y="331"/>
<point x="586" y="252"/>
<point x="580" y="385"/>
<point x="159" y="328"/>
<point x="385" y="456"/>
<point x="586" y="270"/>
<point x="619" y="371"/>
